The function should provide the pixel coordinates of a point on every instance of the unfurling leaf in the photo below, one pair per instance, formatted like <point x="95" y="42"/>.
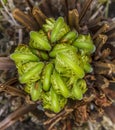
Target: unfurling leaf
<point x="53" y="101"/>
<point x="85" y="42"/>
<point x="48" y="69"/>
<point x="53" y="65"/>
<point x="58" y="84"/>
<point x="23" y="54"/>
<point x="31" y="74"/>
<point x="69" y="37"/>
<point x="70" y="62"/>
<point x="36" y="91"/>
<point x="59" y="30"/>
<point x="79" y="88"/>
<point x="39" y="41"/>
<point x="48" y="27"/>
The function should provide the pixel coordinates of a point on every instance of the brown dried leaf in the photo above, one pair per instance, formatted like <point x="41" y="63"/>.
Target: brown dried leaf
<point x="100" y="41"/>
<point x="25" y="19"/>
<point x="106" y="69"/>
<point x="102" y="101"/>
<point x="103" y="29"/>
<point x="12" y="91"/>
<point x="110" y="111"/>
<point x="39" y="16"/>
<point x="110" y="93"/>
<point x="105" y="53"/>
<point x="13" y="117"/>
<point x="81" y="114"/>
<point x="73" y="19"/>
<point x="86" y="6"/>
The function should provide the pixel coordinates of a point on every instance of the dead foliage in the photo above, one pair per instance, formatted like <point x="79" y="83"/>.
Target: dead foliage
<point x="85" y="18"/>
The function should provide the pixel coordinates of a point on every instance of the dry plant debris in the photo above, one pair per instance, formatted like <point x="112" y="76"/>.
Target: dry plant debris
<point x="85" y="18"/>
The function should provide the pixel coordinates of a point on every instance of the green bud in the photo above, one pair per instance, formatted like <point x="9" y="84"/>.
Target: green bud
<point x="87" y="68"/>
<point x="23" y="54"/>
<point x="49" y="24"/>
<point x="85" y="42"/>
<point x="70" y="37"/>
<point x="79" y="88"/>
<point x="39" y="40"/>
<point x="36" y="91"/>
<point x="68" y="61"/>
<point x="47" y="71"/>
<point x="61" y="47"/>
<point x="41" y="54"/>
<point x="53" y="101"/>
<point x="59" y="30"/>
<point x="58" y="84"/>
<point x="32" y="74"/>
<point x="28" y="87"/>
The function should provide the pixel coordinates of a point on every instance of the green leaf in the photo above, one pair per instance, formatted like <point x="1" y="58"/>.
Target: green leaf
<point x="53" y="101"/>
<point x="39" y="41"/>
<point x="85" y="42"/>
<point x="43" y="55"/>
<point x="36" y="91"/>
<point x="79" y="88"/>
<point x="58" y="84"/>
<point x="59" y="30"/>
<point x="28" y="86"/>
<point x="62" y="47"/>
<point x="31" y="74"/>
<point x="69" y="37"/>
<point x="70" y="61"/>
<point x="23" y="54"/>
<point x="47" y="71"/>
<point x="49" y="25"/>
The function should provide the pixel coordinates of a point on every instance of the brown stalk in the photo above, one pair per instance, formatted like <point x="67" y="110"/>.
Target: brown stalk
<point x="112" y="27"/>
<point x="13" y="117"/>
<point x="25" y="19"/>
<point x="39" y="16"/>
<point x="110" y="93"/>
<point x="102" y="83"/>
<point x="12" y="91"/>
<point x="73" y="19"/>
<point x="45" y="5"/>
<point x="93" y="23"/>
<point x="57" y="118"/>
<point x="103" y="29"/>
<point x="104" y="68"/>
<point x="105" y="53"/>
<point x="102" y="101"/>
<point x="84" y="9"/>
<point x="112" y="36"/>
<point x="81" y="114"/>
<point x="100" y="41"/>
<point x="53" y="123"/>
<point x="5" y="87"/>
<point x="9" y="82"/>
<point x="54" y="118"/>
<point x="29" y="3"/>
